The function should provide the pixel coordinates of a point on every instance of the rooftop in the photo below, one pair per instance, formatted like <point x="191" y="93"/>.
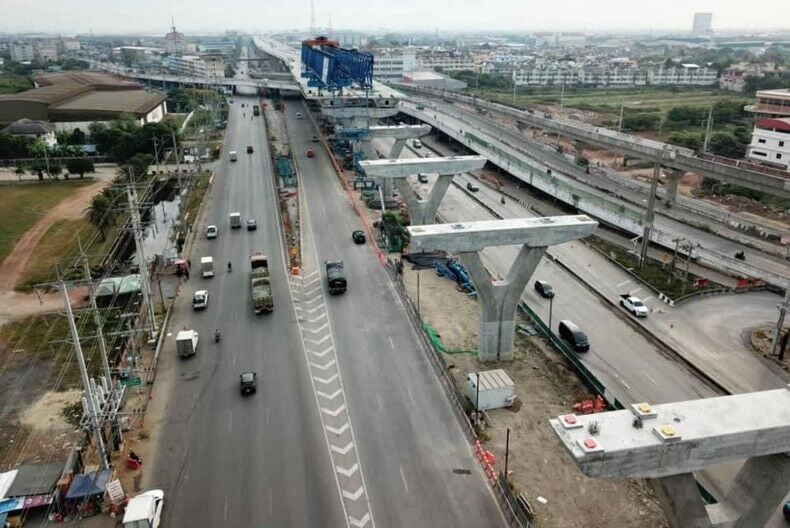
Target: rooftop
<point x="131" y="102"/>
<point x="778" y="92"/>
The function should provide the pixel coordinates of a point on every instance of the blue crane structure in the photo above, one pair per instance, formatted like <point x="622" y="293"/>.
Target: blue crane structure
<point x="329" y="67"/>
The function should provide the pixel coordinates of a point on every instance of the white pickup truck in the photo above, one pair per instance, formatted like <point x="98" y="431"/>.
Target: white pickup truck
<point x="633" y="305"/>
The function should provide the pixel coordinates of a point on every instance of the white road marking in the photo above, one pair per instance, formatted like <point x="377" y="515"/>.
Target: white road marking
<point x="225" y="518"/>
<point x="649" y="377"/>
<point x="623" y="283"/>
<point x="311" y="310"/>
<point x="230" y="421"/>
<point x="326" y="381"/>
<point x="355" y="495"/>
<point x="315" y="320"/>
<point x="319" y="329"/>
<point x="403" y="478"/>
<point x="323" y="352"/>
<point x="359" y="523"/>
<point x="392" y="343"/>
<point x="347" y="472"/>
<point x="324" y="366"/>
<point x="343" y="450"/>
<point x="329" y="396"/>
<point x="338" y="431"/>
<point x="335" y="412"/>
<point x="319" y="341"/>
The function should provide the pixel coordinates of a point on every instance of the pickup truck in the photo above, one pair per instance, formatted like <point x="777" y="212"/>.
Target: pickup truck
<point x="633" y="305"/>
<point x="335" y="276"/>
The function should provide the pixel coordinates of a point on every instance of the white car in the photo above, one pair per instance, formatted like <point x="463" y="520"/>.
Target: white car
<point x="200" y="300"/>
<point x="416" y="143"/>
<point x="211" y="231"/>
<point x="144" y="510"/>
<point x="633" y="305"/>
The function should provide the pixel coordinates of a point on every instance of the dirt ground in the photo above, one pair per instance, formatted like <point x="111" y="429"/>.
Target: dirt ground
<point x="762" y="343"/>
<point x="547" y="388"/>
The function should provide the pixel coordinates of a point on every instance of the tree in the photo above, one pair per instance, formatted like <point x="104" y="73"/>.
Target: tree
<point x="101" y="214"/>
<point x="12" y="147"/>
<point x="137" y="165"/>
<point x="726" y="144"/>
<point x="80" y="166"/>
<point x="19" y="171"/>
<point x="77" y="137"/>
<point x="229" y="71"/>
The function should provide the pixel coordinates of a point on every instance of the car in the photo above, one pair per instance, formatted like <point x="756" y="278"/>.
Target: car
<point x="544" y="289"/>
<point x="230" y="101"/>
<point x="786" y="511"/>
<point x="633" y="305"/>
<point x="249" y="149"/>
<point x="252" y="224"/>
<point x="298" y="115"/>
<point x="200" y="300"/>
<point x="422" y="178"/>
<point x="144" y="510"/>
<point x="358" y="236"/>
<point x="314" y="139"/>
<point x="573" y="336"/>
<point x="472" y="187"/>
<point x="211" y="231"/>
<point x="248" y="382"/>
<point x="416" y="143"/>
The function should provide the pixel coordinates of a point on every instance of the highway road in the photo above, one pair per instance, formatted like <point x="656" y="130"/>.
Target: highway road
<point x="409" y="443"/>
<point x="223" y="459"/>
<point x="454" y="118"/>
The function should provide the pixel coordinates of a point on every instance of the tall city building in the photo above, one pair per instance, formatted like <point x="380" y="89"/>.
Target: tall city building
<point x="702" y="24"/>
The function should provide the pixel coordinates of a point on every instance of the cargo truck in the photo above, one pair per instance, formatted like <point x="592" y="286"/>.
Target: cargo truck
<point x="235" y="220"/>
<point x="260" y="285"/>
<point x="186" y="343"/>
<point x="335" y="276"/>
<point x="207" y="266"/>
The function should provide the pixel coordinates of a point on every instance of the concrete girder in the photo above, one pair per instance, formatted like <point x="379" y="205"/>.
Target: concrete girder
<point x="351" y="112"/>
<point x="499" y="298"/>
<point x="400" y="168"/>
<point x="673" y="175"/>
<point x="398" y="131"/>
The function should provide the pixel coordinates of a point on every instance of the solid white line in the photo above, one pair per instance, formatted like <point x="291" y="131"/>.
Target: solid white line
<point x="226" y="509"/>
<point x="623" y="283"/>
<point x="392" y="343"/>
<point x="230" y="421"/>
<point x="403" y="478"/>
<point x="648" y="377"/>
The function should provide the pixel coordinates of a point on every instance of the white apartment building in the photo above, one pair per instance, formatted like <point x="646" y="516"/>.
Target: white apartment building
<point x="192" y="66"/>
<point x="685" y="74"/>
<point x="394" y="65"/>
<point x="70" y="44"/>
<point x="771" y="142"/>
<point x="446" y="63"/>
<point x="21" y="52"/>
<point x="46" y="51"/>
<point x="214" y="64"/>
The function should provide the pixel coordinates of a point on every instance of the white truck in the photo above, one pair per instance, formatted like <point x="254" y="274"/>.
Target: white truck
<point x="633" y="305"/>
<point x="144" y="510"/>
<point x="235" y="220"/>
<point x="232" y="155"/>
<point x="207" y="266"/>
<point x="186" y="343"/>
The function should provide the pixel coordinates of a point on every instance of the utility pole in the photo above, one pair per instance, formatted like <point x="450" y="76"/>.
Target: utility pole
<point x="138" y="242"/>
<point x="707" y="131"/>
<point x="156" y="156"/>
<point x="96" y="317"/>
<point x="783" y="307"/>
<point x="178" y="158"/>
<point x="562" y="95"/>
<point x="651" y="204"/>
<point x="514" y="86"/>
<point x="88" y="400"/>
<point x="620" y="122"/>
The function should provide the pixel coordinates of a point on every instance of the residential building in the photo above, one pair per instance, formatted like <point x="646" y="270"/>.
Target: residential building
<point x="771" y="103"/>
<point x="21" y="52"/>
<point x="46" y="50"/>
<point x="206" y="65"/>
<point x="683" y="75"/>
<point x="702" y="24"/>
<point x="771" y="142"/>
<point x="216" y="46"/>
<point x="40" y="130"/>
<point x="446" y="62"/>
<point x="394" y="64"/>
<point x="70" y="44"/>
<point x="214" y="64"/>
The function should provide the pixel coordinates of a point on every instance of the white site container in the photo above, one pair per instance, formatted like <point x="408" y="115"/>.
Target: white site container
<point x="497" y="390"/>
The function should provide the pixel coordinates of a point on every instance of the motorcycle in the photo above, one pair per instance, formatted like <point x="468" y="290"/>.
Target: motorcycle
<point x="216" y="336"/>
<point x="230" y="267"/>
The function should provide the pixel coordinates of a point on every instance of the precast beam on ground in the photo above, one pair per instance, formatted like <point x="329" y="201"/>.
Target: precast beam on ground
<point x="647" y="441"/>
<point x="476" y="236"/>
<point x="400" y="168"/>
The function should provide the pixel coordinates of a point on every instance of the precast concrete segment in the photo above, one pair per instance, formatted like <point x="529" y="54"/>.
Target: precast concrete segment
<point x="499" y="300"/>
<point x="647" y="441"/>
<point x="759" y="487"/>
<point x="398" y="131"/>
<point x="423" y="212"/>
<point x="475" y="236"/>
<point x="673" y="175"/>
<point x="399" y="168"/>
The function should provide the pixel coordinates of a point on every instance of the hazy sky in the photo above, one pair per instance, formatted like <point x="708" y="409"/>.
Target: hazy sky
<point x="153" y="16"/>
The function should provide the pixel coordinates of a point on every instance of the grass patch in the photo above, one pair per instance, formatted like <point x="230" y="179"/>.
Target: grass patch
<point x="23" y="205"/>
<point x="195" y="197"/>
<point x="10" y="83"/>
<point x="654" y="273"/>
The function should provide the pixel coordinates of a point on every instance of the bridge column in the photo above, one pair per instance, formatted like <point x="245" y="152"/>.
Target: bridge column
<point x="499" y="300"/>
<point x="422" y="212"/>
<point x="673" y="176"/>
<point x="759" y="487"/>
<point x="397" y="148"/>
<point x="681" y="500"/>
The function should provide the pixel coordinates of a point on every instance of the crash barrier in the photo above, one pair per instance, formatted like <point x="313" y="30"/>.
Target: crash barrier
<point x="510" y="509"/>
<point x="589" y="379"/>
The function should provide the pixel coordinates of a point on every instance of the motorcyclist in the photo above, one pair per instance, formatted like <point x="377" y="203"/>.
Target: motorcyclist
<point x="230" y="266"/>
<point x="216" y="335"/>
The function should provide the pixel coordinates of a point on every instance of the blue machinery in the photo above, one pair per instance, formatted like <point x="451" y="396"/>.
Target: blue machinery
<point x="330" y="67"/>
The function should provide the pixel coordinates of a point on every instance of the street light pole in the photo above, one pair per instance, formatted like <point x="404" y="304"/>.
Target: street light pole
<point x="551" y="306"/>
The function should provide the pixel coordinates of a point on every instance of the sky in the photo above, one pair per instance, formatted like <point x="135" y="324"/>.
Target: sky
<point x="153" y="16"/>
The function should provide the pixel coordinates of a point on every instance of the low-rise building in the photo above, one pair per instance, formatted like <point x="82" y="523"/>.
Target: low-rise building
<point x="771" y="103"/>
<point x="35" y="129"/>
<point x="46" y="51"/>
<point x="394" y="65"/>
<point x="683" y="75"/>
<point x="21" y="52"/>
<point x="771" y="142"/>
<point x="206" y="65"/>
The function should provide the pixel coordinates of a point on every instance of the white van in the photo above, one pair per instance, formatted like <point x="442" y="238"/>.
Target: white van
<point x="232" y="155"/>
<point x="144" y="510"/>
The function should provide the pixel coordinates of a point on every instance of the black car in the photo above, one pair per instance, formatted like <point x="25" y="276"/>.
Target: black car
<point x="249" y="149"/>
<point x="422" y="178"/>
<point x="471" y="187"/>
<point x="252" y="225"/>
<point x="248" y="382"/>
<point x="358" y="237"/>
<point x="544" y="289"/>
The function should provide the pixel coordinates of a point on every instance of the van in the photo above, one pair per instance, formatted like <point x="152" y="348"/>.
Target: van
<point x="232" y="155"/>
<point x="572" y="334"/>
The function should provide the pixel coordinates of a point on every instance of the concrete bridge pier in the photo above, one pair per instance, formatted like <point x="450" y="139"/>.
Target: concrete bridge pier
<point x="759" y="487"/>
<point x="681" y="500"/>
<point x="673" y="177"/>
<point x="499" y="300"/>
<point x="422" y="212"/>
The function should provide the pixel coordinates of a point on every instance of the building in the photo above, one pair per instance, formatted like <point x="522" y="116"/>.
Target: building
<point x="213" y="64"/>
<point x="70" y="45"/>
<point x="445" y="62"/>
<point x="21" y="52"/>
<point x="175" y="42"/>
<point x="771" y="103"/>
<point x="137" y="55"/>
<point x="72" y="100"/>
<point x="683" y="75"/>
<point x="225" y="47"/>
<point x="394" y="65"/>
<point x="40" y="130"/>
<point x="771" y="142"/>
<point x="702" y="24"/>
<point x="431" y="79"/>
<point x="206" y="65"/>
<point x="46" y="51"/>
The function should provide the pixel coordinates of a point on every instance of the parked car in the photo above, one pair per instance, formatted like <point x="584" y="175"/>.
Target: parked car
<point x="358" y="237"/>
<point x="572" y="334"/>
<point x="248" y="382"/>
<point x="544" y="289"/>
<point x="472" y="187"/>
<point x="211" y="231"/>
<point x="249" y="149"/>
<point x="200" y="300"/>
<point x="416" y="143"/>
<point x="252" y="224"/>
<point x="422" y="178"/>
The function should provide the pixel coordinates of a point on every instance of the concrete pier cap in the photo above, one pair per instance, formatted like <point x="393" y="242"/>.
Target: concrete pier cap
<point x="400" y="168"/>
<point x="398" y="131"/>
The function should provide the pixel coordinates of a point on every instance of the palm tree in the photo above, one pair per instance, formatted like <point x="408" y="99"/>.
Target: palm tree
<point x="101" y="214"/>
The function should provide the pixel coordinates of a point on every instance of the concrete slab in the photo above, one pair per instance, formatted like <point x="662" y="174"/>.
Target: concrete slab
<point x="680" y="437"/>
<point x="475" y="236"/>
<point x="400" y="168"/>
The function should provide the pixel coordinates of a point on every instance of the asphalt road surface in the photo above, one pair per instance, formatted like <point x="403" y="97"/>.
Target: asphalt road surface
<point x="224" y="459"/>
<point x="410" y="444"/>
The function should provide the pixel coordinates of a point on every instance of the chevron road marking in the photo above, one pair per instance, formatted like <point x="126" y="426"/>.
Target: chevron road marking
<point x="329" y="396"/>
<point x="354" y="496"/>
<point x="323" y="367"/>
<point x="322" y="316"/>
<point x="323" y="352"/>
<point x="339" y="431"/>
<point x="326" y="381"/>
<point x="335" y="412"/>
<point x="313" y="341"/>
<point x="347" y="472"/>
<point x="343" y="450"/>
<point x="359" y="523"/>
<point x="319" y="329"/>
